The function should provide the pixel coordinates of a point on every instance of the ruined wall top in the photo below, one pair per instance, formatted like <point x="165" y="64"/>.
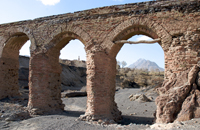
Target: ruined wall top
<point x="184" y="6"/>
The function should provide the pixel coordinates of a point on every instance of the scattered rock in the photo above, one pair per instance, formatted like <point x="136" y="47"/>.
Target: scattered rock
<point x="151" y="98"/>
<point x="133" y="114"/>
<point x="139" y="98"/>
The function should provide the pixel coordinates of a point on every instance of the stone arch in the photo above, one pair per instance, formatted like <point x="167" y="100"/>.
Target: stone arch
<point x="62" y="39"/>
<point x="9" y="59"/>
<point x="46" y="71"/>
<point x="66" y="34"/>
<point x="123" y="31"/>
<point x="134" y="26"/>
<point x="128" y="33"/>
<point x="14" y="32"/>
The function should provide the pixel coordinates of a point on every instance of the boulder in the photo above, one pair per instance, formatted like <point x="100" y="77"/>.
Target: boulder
<point x="139" y="98"/>
<point x="191" y="106"/>
<point x="179" y="97"/>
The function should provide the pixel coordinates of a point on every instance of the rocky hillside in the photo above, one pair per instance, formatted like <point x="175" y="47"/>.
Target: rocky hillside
<point x="145" y="64"/>
<point x="73" y="73"/>
<point x="73" y="76"/>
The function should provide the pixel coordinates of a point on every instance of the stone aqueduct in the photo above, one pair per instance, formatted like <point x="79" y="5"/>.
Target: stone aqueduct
<point x="175" y="22"/>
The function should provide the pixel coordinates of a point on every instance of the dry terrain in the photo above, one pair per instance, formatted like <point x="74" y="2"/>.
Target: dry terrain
<point x="136" y="104"/>
<point x="137" y="114"/>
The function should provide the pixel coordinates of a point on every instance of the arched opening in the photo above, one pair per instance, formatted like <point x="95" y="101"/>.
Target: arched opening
<point x="10" y="90"/>
<point x="136" y="86"/>
<point x="73" y="76"/>
<point x="24" y="57"/>
<point x="52" y="75"/>
<point x="73" y="51"/>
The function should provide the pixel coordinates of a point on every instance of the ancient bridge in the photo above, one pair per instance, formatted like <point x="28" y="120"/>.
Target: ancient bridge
<point x="175" y="22"/>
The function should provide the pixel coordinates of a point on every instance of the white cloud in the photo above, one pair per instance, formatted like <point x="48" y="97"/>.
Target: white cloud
<point x="50" y="2"/>
<point x="143" y="38"/>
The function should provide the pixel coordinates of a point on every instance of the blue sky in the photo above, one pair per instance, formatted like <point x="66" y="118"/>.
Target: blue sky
<point x="17" y="10"/>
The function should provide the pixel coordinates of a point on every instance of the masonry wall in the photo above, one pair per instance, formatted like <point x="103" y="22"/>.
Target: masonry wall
<point x="183" y="52"/>
<point x="175" y="22"/>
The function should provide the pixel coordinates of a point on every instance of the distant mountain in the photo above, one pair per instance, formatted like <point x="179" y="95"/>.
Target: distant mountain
<point x="145" y="64"/>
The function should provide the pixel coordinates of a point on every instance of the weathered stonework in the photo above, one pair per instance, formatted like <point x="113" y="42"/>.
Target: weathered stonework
<point x="175" y="22"/>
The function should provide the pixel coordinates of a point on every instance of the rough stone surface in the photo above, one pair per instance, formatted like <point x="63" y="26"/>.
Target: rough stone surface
<point x="198" y="80"/>
<point x="175" y="22"/>
<point x="179" y="98"/>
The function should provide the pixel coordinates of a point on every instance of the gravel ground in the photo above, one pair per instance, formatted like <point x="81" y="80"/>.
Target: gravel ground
<point x="136" y="115"/>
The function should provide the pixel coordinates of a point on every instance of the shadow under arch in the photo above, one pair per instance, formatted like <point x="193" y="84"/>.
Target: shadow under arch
<point x="46" y="71"/>
<point x="9" y="60"/>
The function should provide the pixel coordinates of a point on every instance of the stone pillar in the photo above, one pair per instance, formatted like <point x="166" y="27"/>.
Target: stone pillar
<point x="45" y="84"/>
<point x="9" y="66"/>
<point x="101" y="70"/>
<point x="179" y="92"/>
